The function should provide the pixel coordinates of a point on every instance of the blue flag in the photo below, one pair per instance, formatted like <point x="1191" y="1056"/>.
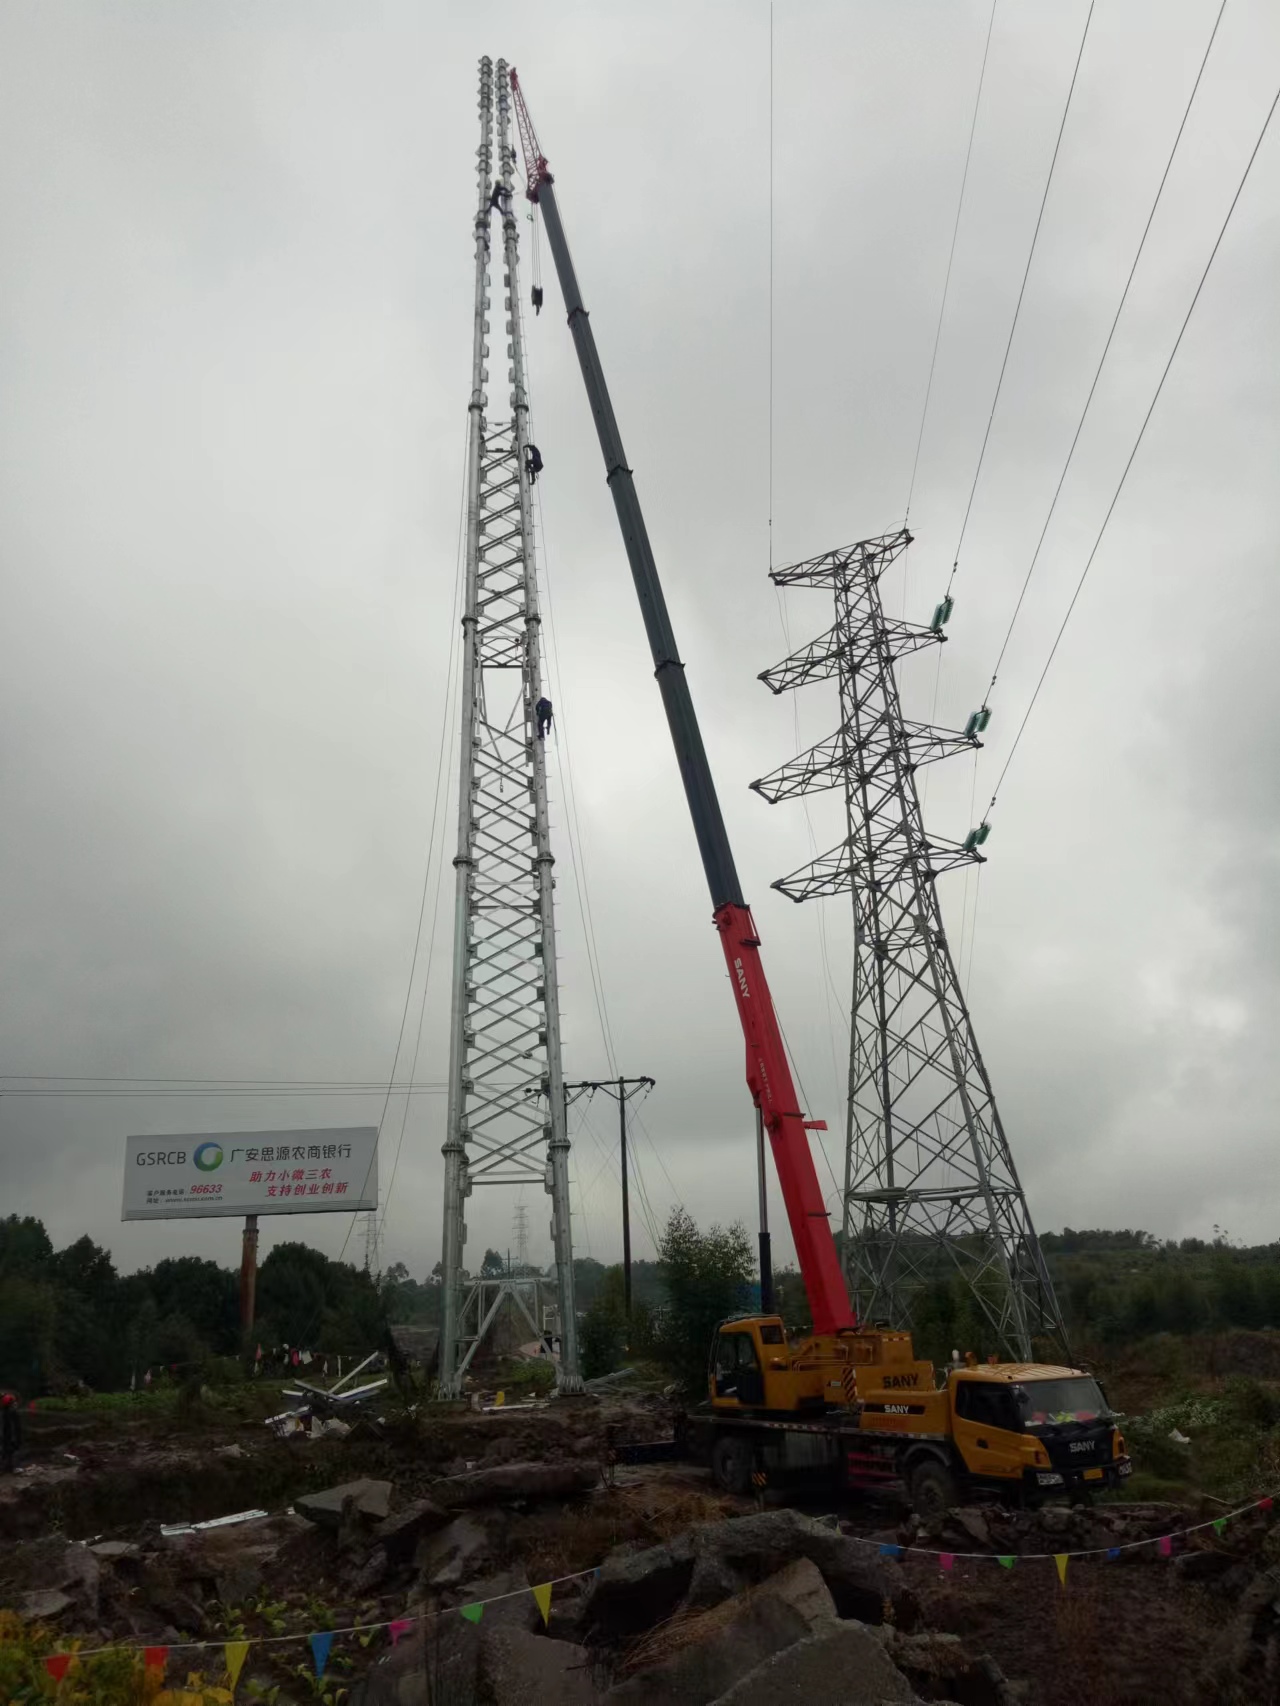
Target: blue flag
<point x="321" y="1641"/>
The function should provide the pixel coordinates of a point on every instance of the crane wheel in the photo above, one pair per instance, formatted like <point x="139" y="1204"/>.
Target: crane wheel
<point x="932" y="1487"/>
<point x="731" y="1463"/>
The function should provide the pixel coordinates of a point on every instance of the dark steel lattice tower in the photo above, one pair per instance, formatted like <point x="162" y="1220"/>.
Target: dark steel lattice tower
<point x="930" y="1185"/>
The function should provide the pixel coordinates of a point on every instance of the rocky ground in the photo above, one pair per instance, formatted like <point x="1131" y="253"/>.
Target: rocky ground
<point x="699" y="1597"/>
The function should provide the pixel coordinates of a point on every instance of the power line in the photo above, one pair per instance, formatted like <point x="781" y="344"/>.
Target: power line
<point x="447" y="727"/>
<point x="426" y="875"/>
<point x="946" y="286"/>
<point x="1124" y="297"/>
<point x="1133" y="453"/>
<point x="1035" y="236"/>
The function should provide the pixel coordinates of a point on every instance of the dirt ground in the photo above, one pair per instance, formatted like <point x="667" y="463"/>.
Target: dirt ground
<point x="1121" y="1633"/>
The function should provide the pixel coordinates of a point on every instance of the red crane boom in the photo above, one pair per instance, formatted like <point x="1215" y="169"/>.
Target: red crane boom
<point x="768" y="1070"/>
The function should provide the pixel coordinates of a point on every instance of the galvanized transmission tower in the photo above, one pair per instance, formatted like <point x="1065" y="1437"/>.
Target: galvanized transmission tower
<point x="930" y="1185"/>
<point x="506" y="1094"/>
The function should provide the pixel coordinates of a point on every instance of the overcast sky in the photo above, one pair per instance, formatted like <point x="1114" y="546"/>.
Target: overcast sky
<point x="234" y="359"/>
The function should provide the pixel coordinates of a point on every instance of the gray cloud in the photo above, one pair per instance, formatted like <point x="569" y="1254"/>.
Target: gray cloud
<point x="235" y="347"/>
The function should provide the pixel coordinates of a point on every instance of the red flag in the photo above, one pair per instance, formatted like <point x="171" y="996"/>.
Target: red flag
<point x="155" y="1658"/>
<point x="1165" y="1545"/>
<point x="58" y="1664"/>
<point x="1265" y="1504"/>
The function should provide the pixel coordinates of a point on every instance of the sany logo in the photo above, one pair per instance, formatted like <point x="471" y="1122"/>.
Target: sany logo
<point x="742" y="980"/>
<point x="208" y="1157"/>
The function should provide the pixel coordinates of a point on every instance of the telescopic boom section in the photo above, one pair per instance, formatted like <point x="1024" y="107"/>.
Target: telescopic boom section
<point x="768" y="1071"/>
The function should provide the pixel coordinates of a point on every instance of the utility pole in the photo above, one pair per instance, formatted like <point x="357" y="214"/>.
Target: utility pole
<point x="621" y="1089"/>
<point x="506" y="1118"/>
<point x="931" y="1189"/>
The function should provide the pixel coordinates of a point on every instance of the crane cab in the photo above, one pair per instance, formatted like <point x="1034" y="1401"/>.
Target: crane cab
<point x="753" y="1367"/>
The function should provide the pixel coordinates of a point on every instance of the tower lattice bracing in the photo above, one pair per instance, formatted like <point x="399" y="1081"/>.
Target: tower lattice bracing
<point x="930" y="1186"/>
<point x="506" y="1118"/>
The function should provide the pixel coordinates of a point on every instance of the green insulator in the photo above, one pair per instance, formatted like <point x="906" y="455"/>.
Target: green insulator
<point x="984" y="830"/>
<point x="971" y="841"/>
<point x="948" y="605"/>
<point x="984" y="717"/>
<point x="972" y="726"/>
<point x="936" y="624"/>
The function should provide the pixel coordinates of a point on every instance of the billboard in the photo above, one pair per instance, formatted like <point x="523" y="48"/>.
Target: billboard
<point x="190" y="1174"/>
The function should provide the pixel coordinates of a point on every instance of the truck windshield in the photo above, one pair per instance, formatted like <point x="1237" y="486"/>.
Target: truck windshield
<point x="1041" y="1403"/>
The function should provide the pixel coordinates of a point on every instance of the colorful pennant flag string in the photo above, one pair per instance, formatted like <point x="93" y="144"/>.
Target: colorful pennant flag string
<point x="235" y="1653"/>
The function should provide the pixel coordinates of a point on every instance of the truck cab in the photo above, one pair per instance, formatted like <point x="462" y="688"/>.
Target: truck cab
<point x="1046" y="1428"/>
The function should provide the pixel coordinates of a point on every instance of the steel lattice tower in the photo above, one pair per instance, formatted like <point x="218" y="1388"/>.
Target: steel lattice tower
<point x="930" y="1184"/>
<point x="506" y="1120"/>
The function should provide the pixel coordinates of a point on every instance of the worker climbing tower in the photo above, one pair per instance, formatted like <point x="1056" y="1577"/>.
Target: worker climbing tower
<point x="506" y="1118"/>
<point x="930" y="1187"/>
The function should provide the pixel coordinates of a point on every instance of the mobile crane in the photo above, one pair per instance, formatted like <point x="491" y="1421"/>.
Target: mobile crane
<point x="850" y="1399"/>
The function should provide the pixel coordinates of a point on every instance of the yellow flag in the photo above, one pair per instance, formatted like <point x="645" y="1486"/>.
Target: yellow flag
<point x="235" y="1653"/>
<point x="1060" y="1559"/>
<point x="500" y="1398"/>
<point x="542" y="1596"/>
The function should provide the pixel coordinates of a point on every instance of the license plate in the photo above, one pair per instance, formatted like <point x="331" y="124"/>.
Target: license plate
<point x="1093" y="1474"/>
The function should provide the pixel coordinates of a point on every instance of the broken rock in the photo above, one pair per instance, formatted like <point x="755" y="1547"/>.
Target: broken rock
<point x="739" y="1636"/>
<point x="371" y="1501"/>
<point x="400" y="1533"/>
<point x="511" y="1481"/>
<point x="45" y="1604"/>
<point x="455" y="1554"/>
<point x="522" y="1669"/>
<point x="846" y="1667"/>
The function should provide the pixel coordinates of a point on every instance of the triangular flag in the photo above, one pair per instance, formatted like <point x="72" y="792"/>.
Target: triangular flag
<point x="235" y="1653"/>
<point x="1113" y="1552"/>
<point x="946" y="1560"/>
<point x="1219" y="1523"/>
<point x="399" y="1626"/>
<point x="321" y="1641"/>
<point x="155" y="1658"/>
<point x="1060" y="1559"/>
<point x="58" y="1664"/>
<point x="499" y="1398"/>
<point x="1165" y="1545"/>
<point x="891" y="1551"/>
<point x="542" y="1599"/>
<point x="1265" y="1504"/>
<point x="473" y="1613"/>
<point x="1005" y="1561"/>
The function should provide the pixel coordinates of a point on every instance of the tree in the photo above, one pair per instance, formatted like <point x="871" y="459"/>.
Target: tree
<point x="706" y="1276"/>
<point x="603" y="1338"/>
<point x="493" y="1266"/>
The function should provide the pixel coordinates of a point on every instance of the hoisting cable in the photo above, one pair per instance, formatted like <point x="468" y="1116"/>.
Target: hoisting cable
<point x="1035" y="237"/>
<point x="1133" y="453"/>
<point x="426" y="881"/>
<point x="1124" y="297"/>
<point x="946" y="283"/>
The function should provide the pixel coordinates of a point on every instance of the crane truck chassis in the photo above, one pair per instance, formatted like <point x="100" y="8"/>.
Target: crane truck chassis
<point x="850" y="1398"/>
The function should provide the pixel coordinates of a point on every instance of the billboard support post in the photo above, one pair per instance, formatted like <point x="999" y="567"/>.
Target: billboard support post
<point x="248" y="1271"/>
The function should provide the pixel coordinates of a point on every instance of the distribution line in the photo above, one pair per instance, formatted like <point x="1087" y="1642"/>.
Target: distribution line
<point x="1084" y="573"/>
<point x="1124" y="297"/>
<point x="946" y="285"/>
<point x="1035" y="237"/>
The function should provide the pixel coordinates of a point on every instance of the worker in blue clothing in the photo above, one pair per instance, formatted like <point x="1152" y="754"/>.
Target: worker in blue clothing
<point x="542" y="711"/>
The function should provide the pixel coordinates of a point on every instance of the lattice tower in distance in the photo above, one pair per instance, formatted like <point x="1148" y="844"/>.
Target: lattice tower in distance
<point x="930" y="1187"/>
<point x="506" y="1118"/>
